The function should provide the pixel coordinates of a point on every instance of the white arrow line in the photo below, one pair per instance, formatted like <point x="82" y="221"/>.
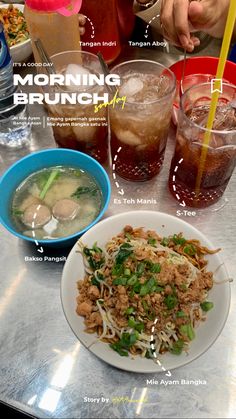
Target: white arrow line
<point x="174" y="186"/>
<point x="121" y="191"/>
<point x="149" y="23"/>
<point x="153" y="349"/>
<point x="91" y="23"/>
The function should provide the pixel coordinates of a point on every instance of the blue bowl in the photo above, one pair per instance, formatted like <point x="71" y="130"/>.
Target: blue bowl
<point x="24" y="167"/>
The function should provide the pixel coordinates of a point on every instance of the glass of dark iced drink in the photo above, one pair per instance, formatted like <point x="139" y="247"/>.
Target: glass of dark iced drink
<point x="200" y="170"/>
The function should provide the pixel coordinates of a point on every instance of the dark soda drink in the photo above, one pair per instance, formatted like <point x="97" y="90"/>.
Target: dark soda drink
<point x="184" y="182"/>
<point x="77" y="126"/>
<point x="85" y="138"/>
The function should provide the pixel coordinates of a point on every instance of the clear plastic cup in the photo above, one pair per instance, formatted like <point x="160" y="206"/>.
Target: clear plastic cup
<point x="191" y="182"/>
<point x="79" y="127"/>
<point x="15" y="126"/>
<point x="139" y="130"/>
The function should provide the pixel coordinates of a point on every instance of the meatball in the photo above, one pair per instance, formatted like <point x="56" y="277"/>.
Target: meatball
<point x="84" y="309"/>
<point x="93" y="292"/>
<point x="65" y="209"/>
<point x="36" y="216"/>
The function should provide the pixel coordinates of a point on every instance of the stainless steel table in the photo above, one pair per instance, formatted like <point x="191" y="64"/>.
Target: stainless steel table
<point x="45" y="371"/>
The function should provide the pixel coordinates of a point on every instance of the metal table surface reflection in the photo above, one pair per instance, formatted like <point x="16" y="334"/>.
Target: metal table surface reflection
<point x="46" y="372"/>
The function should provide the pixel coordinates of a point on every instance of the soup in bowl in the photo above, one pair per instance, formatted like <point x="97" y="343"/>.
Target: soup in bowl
<point x="53" y="196"/>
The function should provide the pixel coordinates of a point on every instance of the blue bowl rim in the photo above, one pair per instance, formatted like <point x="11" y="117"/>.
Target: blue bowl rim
<point x="79" y="233"/>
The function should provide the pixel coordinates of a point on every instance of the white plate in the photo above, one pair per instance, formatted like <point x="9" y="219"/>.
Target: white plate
<point x="164" y="225"/>
<point x="22" y="51"/>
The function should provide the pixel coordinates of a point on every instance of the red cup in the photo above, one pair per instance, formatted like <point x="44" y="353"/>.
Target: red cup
<point x="202" y="70"/>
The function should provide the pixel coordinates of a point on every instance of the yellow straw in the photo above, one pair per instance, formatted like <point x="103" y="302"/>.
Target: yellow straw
<point x="215" y="95"/>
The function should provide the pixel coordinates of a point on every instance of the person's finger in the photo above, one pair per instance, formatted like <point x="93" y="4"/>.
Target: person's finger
<point x="180" y="12"/>
<point x="167" y="21"/>
<point x="81" y="30"/>
<point x="196" y="41"/>
<point x="82" y="20"/>
<point x="199" y="14"/>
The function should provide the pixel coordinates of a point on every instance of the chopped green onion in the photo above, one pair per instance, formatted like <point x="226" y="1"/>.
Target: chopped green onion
<point x="127" y="272"/>
<point x="132" y="280"/>
<point x="147" y="355"/>
<point x="165" y="241"/>
<point x="152" y="241"/>
<point x="180" y="314"/>
<point x="131" y="322"/>
<point x="129" y="310"/>
<point x="170" y="301"/>
<point x="177" y="347"/>
<point x="206" y="305"/>
<point x="137" y="287"/>
<point x="187" y="330"/>
<point x="139" y="327"/>
<point x="117" y="269"/>
<point x="120" y="281"/>
<point x="190" y="250"/>
<point x="156" y="268"/>
<point x="128" y="236"/>
<point x="177" y="239"/>
<point x="140" y="268"/>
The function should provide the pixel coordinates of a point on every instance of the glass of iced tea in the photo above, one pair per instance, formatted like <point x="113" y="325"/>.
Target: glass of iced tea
<point x="139" y="130"/>
<point x="77" y="126"/>
<point x="200" y="169"/>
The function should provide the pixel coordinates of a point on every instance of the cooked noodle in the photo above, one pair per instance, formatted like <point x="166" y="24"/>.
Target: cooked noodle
<point x="144" y="288"/>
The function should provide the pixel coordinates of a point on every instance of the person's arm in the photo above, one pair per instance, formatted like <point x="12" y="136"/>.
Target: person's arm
<point x="180" y="18"/>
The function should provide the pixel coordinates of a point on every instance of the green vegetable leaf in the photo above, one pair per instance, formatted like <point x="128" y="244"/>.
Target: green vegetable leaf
<point x="85" y="190"/>
<point x="54" y="175"/>
<point x="17" y="212"/>
<point x="206" y="305"/>
<point x="117" y="270"/>
<point x="94" y="257"/>
<point x="124" y="252"/>
<point x="118" y="348"/>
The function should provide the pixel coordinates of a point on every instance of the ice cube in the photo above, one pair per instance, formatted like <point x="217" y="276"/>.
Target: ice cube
<point x="131" y="87"/>
<point x="128" y="137"/>
<point x="76" y="70"/>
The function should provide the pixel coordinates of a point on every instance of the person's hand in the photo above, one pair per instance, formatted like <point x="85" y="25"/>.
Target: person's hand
<point x="82" y="22"/>
<point x="180" y="18"/>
